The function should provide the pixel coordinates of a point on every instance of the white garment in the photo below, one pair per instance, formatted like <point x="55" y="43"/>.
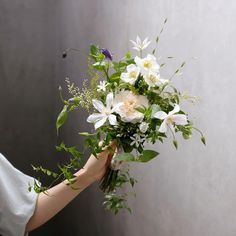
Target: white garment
<point x="17" y="204"/>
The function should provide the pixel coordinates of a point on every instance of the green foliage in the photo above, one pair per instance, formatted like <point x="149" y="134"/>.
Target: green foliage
<point x="45" y="171"/>
<point x="62" y="117"/>
<point x="125" y="157"/>
<point x="147" y="155"/>
<point x="115" y="201"/>
<point x="72" y="150"/>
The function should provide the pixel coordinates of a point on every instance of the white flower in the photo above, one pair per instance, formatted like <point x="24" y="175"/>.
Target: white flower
<point x="154" y="79"/>
<point x="105" y="112"/>
<point x="131" y="75"/>
<point x="137" y="140"/>
<point x="129" y="102"/>
<point x="147" y="64"/>
<point x="143" y="127"/>
<point x="139" y="45"/>
<point x="102" y="86"/>
<point x="170" y="119"/>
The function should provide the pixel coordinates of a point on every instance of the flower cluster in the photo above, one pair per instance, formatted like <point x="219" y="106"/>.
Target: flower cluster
<point x="131" y="104"/>
<point x="129" y="97"/>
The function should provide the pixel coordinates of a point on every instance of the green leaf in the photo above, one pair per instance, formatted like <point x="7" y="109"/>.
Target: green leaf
<point x="147" y="155"/>
<point x="62" y="117"/>
<point x="115" y="76"/>
<point x="72" y="150"/>
<point x="141" y="109"/>
<point x="94" y="50"/>
<point x="128" y="56"/>
<point x="155" y="108"/>
<point x="45" y="171"/>
<point x="86" y="134"/>
<point x="125" y="157"/>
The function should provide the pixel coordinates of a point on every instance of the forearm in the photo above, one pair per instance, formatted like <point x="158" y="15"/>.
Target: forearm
<point x="58" y="197"/>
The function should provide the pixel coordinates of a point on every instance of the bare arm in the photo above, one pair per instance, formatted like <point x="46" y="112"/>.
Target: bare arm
<point x="60" y="195"/>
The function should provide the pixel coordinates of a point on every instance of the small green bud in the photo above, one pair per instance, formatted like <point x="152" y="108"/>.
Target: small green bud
<point x="203" y="140"/>
<point x="175" y="143"/>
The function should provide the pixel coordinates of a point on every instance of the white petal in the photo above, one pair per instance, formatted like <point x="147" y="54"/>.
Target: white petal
<point x="131" y="67"/>
<point x="109" y="100"/>
<point x="134" y="43"/>
<point x="98" y="105"/>
<point x="160" y="115"/>
<point x="117" y="107"/>
<point x="156" y="68"/>
<point x="164" y="81"/>
<point x="163" y="127"/>
<point x="145" y="40"/>
<point x="138" y="60"/>
<point x="112" y="119"/>
<point x="136" y="48"/>
<point x="95" y="117"/>
<point x="151" y="57"/>
<point x="171" y="127"/>
<point x="180" y="119"/>
<point x="175" y="110"/>
<point x="124" y="76"/>
<point x="100" y="122"/>
<point x="138" y="40"/>
<point x="132" y="143"/>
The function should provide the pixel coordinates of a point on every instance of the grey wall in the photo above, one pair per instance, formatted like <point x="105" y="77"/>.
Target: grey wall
<point x="186" y="192"/>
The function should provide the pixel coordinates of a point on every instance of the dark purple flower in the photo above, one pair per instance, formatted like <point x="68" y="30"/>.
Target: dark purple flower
<point x="107" y="54"/>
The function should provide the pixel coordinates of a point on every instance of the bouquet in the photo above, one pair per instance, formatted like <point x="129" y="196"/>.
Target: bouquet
<point x="129" y="103"/>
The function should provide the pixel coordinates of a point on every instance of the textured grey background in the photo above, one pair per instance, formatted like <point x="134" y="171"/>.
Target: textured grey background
<point x="189" y="192"/>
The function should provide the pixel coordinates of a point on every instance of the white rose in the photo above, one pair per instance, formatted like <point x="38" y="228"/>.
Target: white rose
<point x="130" y="102"/>
<point x="143" y="127"/>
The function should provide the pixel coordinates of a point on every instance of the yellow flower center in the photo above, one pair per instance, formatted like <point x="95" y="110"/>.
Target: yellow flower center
<point x="133" y="74"/>
<point x="106" y="112"/>
<point x="147" y="64"/>
<point x="170" y="120"/>
<point x="130" y="105"/>
<point x="153" y="78"/>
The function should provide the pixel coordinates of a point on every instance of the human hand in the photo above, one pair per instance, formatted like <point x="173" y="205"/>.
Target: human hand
<point x="95" y="168"/>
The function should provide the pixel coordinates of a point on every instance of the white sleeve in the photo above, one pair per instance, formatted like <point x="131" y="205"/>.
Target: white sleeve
<point x="17" y="204"/>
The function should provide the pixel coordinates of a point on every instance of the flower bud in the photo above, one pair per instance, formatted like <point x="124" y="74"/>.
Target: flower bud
<point x="143" y="127"/>
<point x="107" y="54"/>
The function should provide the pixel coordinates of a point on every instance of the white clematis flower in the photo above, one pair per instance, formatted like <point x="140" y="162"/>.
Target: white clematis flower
<point x="102" y="86"/>
<point x="129" y="102"/>
<point x="131" y="75"/>
<point x="139" y="45"/>
<point x="147" y="64"/>
<point x="170" y="119"/>
<point x="154" y="79"/>
<point x="99" y="119"/>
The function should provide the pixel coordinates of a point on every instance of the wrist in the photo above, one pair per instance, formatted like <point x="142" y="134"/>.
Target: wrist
<point x="86" y="176"/>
